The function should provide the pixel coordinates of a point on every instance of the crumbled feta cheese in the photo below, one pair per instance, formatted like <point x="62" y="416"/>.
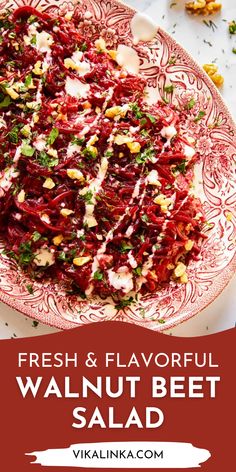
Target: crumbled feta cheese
<point x="77" y="56"/>
<point x="89" y="219"/>
<point x="75" y="88"/>
<point x="6" y="178"/>
<point x="43" y="41"/>
<point x="40" y="143"/>
<point x="189" y="151"/>
<point x="132" y="260"/>
<point x="128" y="58"/>
<point x="122" y="279"/>
<point x="73" y="149"/>
<point x="168" y="132"/>
<point x="43" y="257"/>
<point x="152" y="178"/>
<point x="74" y="63"/>
<point x="45" y="218"/>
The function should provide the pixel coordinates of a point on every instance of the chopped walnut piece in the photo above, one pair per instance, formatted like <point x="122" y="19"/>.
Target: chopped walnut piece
<point x="203" y="7"/>
<point x="212" y="71"/>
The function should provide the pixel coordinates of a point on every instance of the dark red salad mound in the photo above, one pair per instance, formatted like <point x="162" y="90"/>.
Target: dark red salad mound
<point x="95" y="184"/>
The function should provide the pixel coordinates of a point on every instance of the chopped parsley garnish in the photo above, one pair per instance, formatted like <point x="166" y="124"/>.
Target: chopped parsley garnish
<point x="232" y="27"/>
<point x="26" y="149"/>
<point x="143" y="122"/>
<point x="6" y="24"/>
<point x="151" y="118"/>
<point x="67" y="256"/>
<point x="89" y="153"/>
<point x="145" y="218"/>
<point x="161" y="321"/>
<point x="30" y="288"/>
<point x="28" y="80"/>
<point x="98" y="275"/>
<point x="142" y="312"/>
<point x="123" y="303"/>
<point x="36" y="236"/>
<point x="157" y="247"/>
<point x="53" y="135"/>
<point x="191" y="104"/>
<point x="47" y="161"/>
<point x="165" y="100"/>
<point x="32" y="19"/>
<point x="200" y="115"/>
<point x="108" y="153"/>
<point x="126" y="247"/>
<point x="138" y="271"/>
<point x="13" y="134"/>
<point x="62" y="256"/>
<point x="33" y="39"/>
<point x="5" y="102"/>
<point x="147" y="155"/>
<point x="12" y="35"/>
<point x="88" y="196"/>
<point x="144" y="133"/>
<point x="136" y="110"/>
<point x="26" y="255"/>
<point x="169" y="88"/>
<point x="234" y="50"/>
<point x="77" y="141"/>
<point x="73" y="235"/>
<point x="210" y="24"/>
<point x="181" y="167"/>
<point x="83" y="47"/>
<point x="172" y="60"/>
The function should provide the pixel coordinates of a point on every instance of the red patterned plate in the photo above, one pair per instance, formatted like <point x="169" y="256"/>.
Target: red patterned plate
<point x="162" y="59"/>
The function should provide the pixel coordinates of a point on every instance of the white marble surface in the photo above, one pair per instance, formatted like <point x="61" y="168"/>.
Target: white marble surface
<point x="205" y="45"/>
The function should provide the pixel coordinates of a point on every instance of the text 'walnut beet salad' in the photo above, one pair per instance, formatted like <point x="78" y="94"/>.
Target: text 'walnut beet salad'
<point x="95" y="184"/>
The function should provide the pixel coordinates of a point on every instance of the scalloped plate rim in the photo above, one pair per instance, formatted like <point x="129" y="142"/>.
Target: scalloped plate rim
<point x="62" y="323"/>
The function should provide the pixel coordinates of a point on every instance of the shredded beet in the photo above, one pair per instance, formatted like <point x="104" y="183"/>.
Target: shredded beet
<point x="95" y="184"/>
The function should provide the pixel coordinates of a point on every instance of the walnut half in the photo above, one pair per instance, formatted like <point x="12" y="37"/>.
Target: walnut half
<point x="203" y="7"/>
<point x="212" y="71"/>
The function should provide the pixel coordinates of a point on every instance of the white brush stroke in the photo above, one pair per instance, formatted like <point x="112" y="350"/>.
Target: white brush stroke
<point x="175" y="455"/>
